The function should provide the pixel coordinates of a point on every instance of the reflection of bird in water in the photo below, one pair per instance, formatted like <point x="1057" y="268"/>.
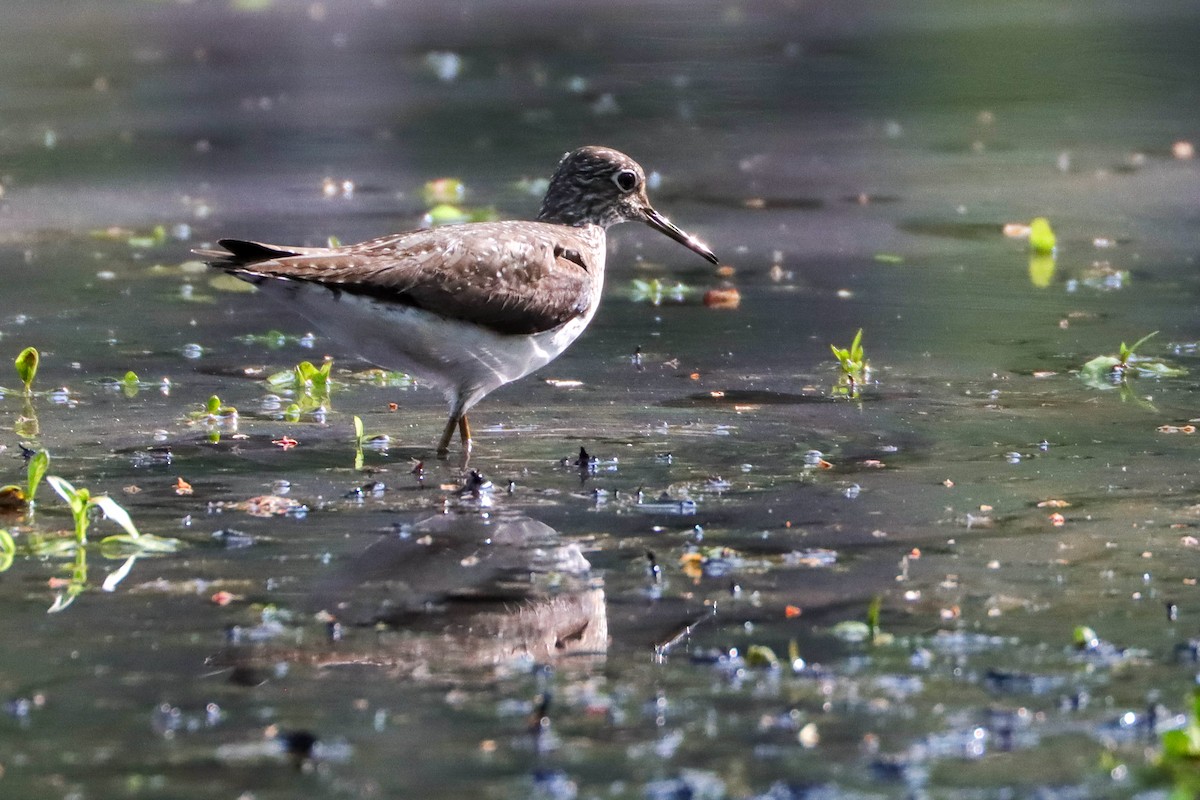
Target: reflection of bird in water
<point x="459" y="592"/>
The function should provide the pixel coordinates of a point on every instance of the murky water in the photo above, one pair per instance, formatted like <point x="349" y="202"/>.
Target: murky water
<point x="599" y="631"/>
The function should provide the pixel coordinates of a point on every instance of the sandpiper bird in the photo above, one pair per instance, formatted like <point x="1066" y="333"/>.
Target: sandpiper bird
<point x="467" y="307"/>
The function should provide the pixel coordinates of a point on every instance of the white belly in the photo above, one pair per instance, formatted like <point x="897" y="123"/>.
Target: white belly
<point x="459" y="358"/>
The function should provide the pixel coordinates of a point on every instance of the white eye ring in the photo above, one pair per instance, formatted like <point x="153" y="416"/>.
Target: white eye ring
<point x="626" y="180"/>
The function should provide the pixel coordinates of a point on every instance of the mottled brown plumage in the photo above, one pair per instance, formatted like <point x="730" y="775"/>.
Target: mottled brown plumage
<point x="467" y="307"/>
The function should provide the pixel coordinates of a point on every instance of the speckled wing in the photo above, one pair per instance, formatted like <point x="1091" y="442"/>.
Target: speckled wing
<point x="511" y="277"/>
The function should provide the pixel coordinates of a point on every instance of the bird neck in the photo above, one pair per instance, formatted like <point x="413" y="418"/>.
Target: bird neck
<point x="570" y="208"/>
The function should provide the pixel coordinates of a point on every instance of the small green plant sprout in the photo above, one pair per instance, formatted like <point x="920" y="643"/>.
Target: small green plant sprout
<point x="867" y="631"/>
<point x="760" y="656"/>
<point x="853" y="365"/>
<point x="1041" y="237"/>
<point x="13" y="497"/>
<point x="27" y="367"/>
<point x="311" y="384"/>
<point x="82" y="501"/>
<point x="215" y="417"/>
<point x="358" y="442"/>
<point x="213" y="412"/>
<point x="1107" y="372"/>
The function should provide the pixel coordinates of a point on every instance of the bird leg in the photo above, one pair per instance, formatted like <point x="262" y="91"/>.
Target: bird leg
<point x="457" y="421"/>
<point x="444" y="443"/>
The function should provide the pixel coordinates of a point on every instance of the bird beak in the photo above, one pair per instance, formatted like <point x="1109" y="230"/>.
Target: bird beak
<point x="663" y="225"/>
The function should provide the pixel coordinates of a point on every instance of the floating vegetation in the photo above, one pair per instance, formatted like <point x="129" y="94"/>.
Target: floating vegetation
<point x="1107" y="372"/>
<point x="656" y="291"/>
<point x="446" y="214"/>
<point x="311" y="385"/>
<point x="215" y="416"/>
<point x="142" y="240"/>
<point x="383" y="378"/>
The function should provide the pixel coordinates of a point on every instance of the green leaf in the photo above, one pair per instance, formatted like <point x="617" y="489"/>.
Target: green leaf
<point x="358" y="428"/>
<point x="27" y="366"/>
<point x="856" y="349"/>
<point x="64" y="488"/>
<point x="8" y="550"/>
<point x="38" y="465"/>
<point x="1175" y="744"/>
<point x="131" y="379"/>
<point x="113" y="511"/>
<point x="1041" y="236"/>
<point x="1098" y="372"/>
<point x="1126" y="352"/>
<point x="283" y="379"/>
<point x="213" y="406"/>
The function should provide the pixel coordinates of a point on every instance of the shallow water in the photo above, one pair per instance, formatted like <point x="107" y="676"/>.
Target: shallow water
<point x="855" y="165"/>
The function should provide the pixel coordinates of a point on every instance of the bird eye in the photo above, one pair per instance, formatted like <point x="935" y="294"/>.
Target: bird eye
<point x="626" y="180"/>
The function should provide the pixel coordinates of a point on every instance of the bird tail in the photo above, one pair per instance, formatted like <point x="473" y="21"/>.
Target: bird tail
<point x="241" y="253"/>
